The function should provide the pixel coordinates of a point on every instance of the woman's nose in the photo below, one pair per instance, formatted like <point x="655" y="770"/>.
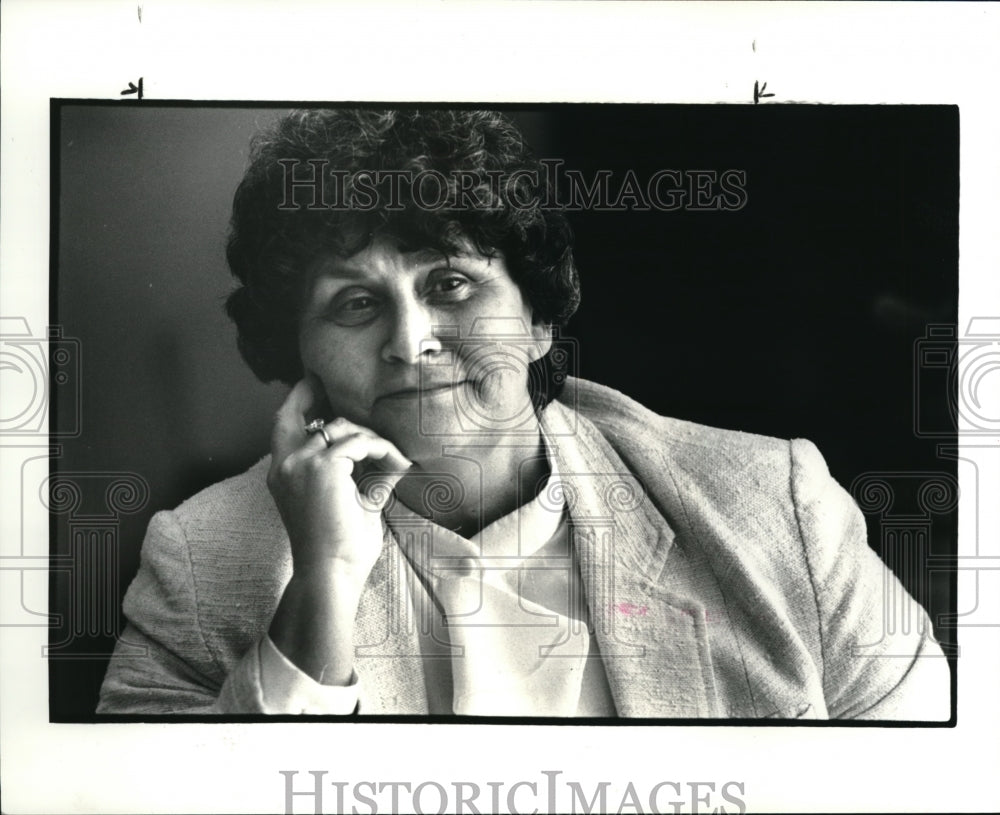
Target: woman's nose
<point x="413" y="333"/>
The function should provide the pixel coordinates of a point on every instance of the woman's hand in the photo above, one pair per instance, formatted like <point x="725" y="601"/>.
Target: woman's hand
<point x="333" y="522"/>
<point x="334" y="525"/>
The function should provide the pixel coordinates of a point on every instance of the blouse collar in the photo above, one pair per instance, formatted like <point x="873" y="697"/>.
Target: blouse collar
<point x="506" y="541"/>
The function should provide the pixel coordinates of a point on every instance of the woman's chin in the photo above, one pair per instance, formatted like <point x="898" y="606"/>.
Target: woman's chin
<point x="421" y="431"/>
<point x="421" y="448"/>
<point x="430" y="429"/>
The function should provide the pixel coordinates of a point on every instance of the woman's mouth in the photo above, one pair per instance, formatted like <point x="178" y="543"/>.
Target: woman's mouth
<point x="425" y="391"/>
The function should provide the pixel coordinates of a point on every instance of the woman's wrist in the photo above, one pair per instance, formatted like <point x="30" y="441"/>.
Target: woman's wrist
<point x="329" y="575"/>
<point x="313" y="625"/>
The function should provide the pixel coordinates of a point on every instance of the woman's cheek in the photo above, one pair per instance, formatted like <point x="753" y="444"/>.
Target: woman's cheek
<point x="490" y="388"/>
<point x="343" y="390"/>
<point x="506" y="380"/>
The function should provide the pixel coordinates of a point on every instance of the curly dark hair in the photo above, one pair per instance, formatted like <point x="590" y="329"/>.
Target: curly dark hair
<point x="491" y="192"/>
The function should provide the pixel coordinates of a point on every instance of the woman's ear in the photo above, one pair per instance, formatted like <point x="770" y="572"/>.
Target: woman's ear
<point x="542" y="334"/>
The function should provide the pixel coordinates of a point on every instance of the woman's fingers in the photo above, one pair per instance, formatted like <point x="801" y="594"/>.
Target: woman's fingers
<point x="393" y="461"/>
<point x="361" y="446"/>
<point x="383" y="465"/>
<point x="290" y="420"/>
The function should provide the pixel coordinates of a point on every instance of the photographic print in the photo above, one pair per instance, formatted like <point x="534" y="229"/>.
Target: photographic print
<point x="564" y="375"/>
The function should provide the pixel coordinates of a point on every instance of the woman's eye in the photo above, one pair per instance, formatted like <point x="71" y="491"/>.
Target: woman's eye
<point x="452" y="285"/>
<point x="355" y="309"/>
<point x="359" y="303"/>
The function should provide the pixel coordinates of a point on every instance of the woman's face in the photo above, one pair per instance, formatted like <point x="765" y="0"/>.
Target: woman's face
<point x="426" y="351"/>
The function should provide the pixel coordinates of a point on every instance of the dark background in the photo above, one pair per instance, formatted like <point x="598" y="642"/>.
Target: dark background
<point x="796" y="316"/>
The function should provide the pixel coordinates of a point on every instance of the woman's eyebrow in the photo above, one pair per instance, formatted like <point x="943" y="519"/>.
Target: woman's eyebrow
<point x="342" y="272"/>
<point x="426" y="257"/>
<point x="345" y="269"/>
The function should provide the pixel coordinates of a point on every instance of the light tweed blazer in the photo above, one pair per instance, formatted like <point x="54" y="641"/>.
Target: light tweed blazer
<point x="727" y="575"/>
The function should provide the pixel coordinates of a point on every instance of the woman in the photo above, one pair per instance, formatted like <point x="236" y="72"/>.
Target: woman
<point x="447" y="524"/>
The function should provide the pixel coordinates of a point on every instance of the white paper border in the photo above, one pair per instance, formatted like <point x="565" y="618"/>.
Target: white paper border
<point x="524" y="52"/>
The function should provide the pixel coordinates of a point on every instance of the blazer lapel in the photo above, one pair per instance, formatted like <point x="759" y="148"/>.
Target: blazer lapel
<point x="653" y="641"/>
<point x="389" y="662"/>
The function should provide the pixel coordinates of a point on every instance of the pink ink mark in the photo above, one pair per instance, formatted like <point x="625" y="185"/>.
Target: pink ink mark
<point x="631" y="609"/>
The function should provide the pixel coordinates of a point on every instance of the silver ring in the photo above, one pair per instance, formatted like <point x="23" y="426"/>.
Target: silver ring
<point x="318" y="426"/>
